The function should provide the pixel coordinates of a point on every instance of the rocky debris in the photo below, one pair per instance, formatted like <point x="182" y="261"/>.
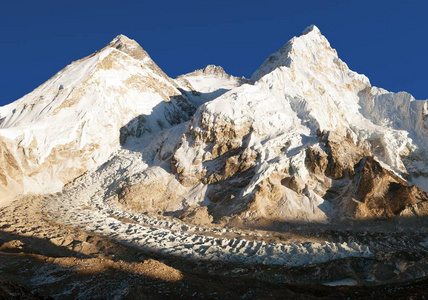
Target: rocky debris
<point x="12" y="291"/>
<point x="150" y="267"/>
<point x="343" y="154"/>
<point x="197" y="216"/>
<point x="116" y="268"/>
<point x="223" y="156"/>
<point x="157" y="195"/>
<point x="12" y="245"/>
<point x="383" y="194"/>
<point x="159" y="270"/>
<point x="360" y="185"/>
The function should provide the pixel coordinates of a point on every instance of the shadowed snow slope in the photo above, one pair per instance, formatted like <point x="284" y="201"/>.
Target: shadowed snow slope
<point x="305" y="139"/>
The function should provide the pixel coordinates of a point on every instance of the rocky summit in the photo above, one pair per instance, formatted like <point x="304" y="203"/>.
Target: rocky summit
<point x="304" y="167"/>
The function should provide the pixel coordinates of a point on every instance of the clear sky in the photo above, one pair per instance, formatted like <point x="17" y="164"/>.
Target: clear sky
<point x="385" y="40"/>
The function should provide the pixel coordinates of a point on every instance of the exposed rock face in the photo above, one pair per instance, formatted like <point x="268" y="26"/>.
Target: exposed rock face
<point x="198" y="216"/>
<point x="383" y="194"/>
<point x="10" y="170"/>
<point x="154" y="194"/>
<point x="128" y="46"/>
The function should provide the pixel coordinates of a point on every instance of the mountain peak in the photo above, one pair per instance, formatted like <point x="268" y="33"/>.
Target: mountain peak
<point x="310" y="48"/>
<point x="123" y="41"/>
<point x="121" y="37"/>
<point x="213" y="70"/>
<point x="311" y="29"/>
<point x="128" y="46"/>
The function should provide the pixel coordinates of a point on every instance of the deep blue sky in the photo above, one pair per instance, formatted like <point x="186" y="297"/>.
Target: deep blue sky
<point x="385" y="40"/>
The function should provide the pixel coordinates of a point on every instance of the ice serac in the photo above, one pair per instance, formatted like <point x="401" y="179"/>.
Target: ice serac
<point x="75" y="121"/>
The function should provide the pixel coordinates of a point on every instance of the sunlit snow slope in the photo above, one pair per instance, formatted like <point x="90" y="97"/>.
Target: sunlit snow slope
<point x="73" y="122"/>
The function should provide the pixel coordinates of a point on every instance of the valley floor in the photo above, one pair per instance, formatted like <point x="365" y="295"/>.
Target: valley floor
<point x="52" y="248"/>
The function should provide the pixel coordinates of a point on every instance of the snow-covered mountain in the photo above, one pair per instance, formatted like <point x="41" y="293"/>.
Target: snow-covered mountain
<point x="295" y="145"/>
<point x="73" y="122"/>
<point x="304" y="139"/>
